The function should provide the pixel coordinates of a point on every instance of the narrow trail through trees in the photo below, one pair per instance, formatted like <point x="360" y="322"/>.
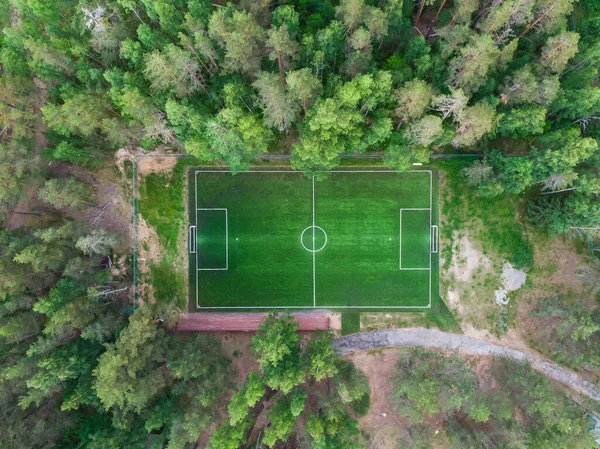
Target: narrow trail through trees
<point x="429" y="338"/>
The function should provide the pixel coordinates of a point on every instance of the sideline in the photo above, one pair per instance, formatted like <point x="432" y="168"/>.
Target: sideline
<point x="429" y="338"/>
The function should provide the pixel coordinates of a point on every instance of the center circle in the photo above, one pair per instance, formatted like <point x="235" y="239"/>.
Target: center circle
<point x="313" y="239"/>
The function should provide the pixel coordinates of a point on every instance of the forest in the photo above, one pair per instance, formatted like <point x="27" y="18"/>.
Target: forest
<point x="514" y="82"/>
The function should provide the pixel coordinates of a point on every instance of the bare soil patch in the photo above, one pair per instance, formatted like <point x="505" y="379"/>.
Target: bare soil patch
<point x="378" y="366"/>
<point x="109" y="189"/>
<point x="469" y="283"/>
<point x="147" y="165"/>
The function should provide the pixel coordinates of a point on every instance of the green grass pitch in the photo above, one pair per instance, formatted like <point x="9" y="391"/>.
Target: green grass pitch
<point x="276" y="239"/>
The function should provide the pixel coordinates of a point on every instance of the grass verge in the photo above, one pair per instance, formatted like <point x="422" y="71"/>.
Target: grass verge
<point x="350" y="323"/>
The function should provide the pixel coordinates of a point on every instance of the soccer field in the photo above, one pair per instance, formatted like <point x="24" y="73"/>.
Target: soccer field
<point x="276" y="239"/>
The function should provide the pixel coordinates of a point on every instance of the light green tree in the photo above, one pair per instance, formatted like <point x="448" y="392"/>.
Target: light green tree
<point x="241" y="38"/>
<point x="424" y="131"/>
<point x="558" y="50"/>
<point x="283" y="48"/>
<point x="474" y="123"/>
<point x="66" y="192"/>
<point x="98" y="241"/>
<point x="321" y="356"/>
<point x="276" y="344"/>
<point x="281" y="422"/>
<point x="412" y="100"/>
<point x="278" y="107"/>
<point x="304" y="87"/>
<point x="469" y="69"/>
<point x="329" y="131"/>
<point x="173" y="70"/>
<point x="527" y="120"/>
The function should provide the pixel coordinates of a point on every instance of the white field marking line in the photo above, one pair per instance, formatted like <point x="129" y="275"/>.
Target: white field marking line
<point x="400" y="252"/>
<point x="400" y="242"/>
<point x="226" y="239"/>
<point x="314" y="256"/>
<point x="323" y="306"/>
<point x="196" y="206"/>
<point x="430" y="223"/>
<point x="300" y="173"/>
<point x="312" y="307"/>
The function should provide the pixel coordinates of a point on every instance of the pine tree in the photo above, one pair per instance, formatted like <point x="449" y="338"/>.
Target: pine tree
<point x="66" y="192"/>
<point x="558" y="50"/>
<point x="283" y="48"/>
<point x="304" y="87"/>
<point x="474" y="122"/>
<point x="173" y="70"/>
<point x="278" y="108"/>
<point x="412" y="99"/>
<point x="241" y="38"/>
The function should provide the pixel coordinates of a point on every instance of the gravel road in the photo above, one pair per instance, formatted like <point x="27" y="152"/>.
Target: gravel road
<point x="429" y="338"/>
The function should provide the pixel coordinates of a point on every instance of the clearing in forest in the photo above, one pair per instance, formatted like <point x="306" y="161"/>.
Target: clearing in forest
<point x="279" y="240"/>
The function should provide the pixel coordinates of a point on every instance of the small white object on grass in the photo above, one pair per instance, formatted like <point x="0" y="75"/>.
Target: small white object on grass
<point x="384" y="414"/>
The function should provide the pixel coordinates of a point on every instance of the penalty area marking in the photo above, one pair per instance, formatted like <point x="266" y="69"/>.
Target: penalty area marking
<point x="400" y="244"/>
<point x="226" y="240"/>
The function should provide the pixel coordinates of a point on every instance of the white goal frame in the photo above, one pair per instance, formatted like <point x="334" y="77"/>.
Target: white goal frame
<point x="315" y="305"/>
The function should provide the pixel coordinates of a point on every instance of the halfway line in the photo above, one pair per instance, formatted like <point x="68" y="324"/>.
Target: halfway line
<point x="313" y="252"/>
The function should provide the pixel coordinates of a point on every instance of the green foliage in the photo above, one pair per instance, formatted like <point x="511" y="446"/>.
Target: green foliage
<point x="282" y="422"/>
<point x="291" y="374"/>
<point x="426" y="385"/>
<point x="277" y="346"/>
<point x="329" y="131"/>
<point x="129" y="373"/>
<point x="430" y="383"/>
<point x="228" y="436"/>
<point x="321" y="356"/>
<point x="66" y="192"/>
<point x="333" y="428"/>
<point x="491" y="219"/>
<point x="525" y="121"/>
<point x="567" y="332"/>
<point x="173" y="70"/>
<point x="351" y="383"/>
<point x="190" y="76"/>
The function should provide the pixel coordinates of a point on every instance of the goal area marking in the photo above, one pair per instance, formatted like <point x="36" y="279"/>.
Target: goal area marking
<point x="193" y="235"/>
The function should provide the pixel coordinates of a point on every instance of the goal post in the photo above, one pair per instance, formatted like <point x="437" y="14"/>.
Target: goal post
<point x="192" y="239"/>
<point x="434" y="239"/>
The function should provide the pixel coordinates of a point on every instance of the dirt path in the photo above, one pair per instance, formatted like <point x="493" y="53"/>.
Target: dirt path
<point x="442" y="340"/>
